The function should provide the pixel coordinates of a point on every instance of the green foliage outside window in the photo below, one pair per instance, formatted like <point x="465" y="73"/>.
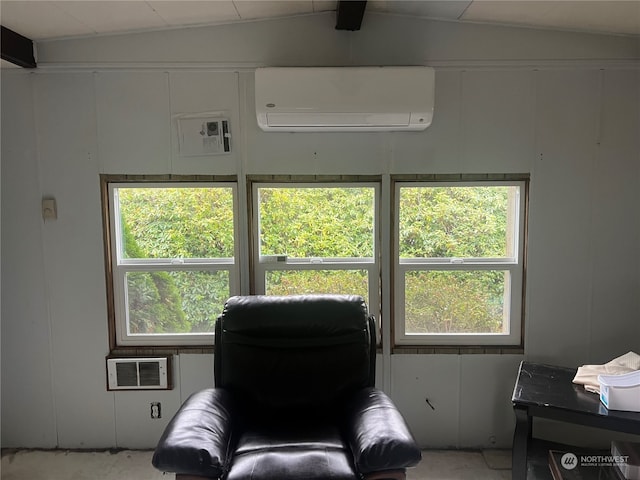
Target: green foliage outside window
<point x="316" y="222"/>
<point x="169" y="223"/>
<point x="450" y="222"/>
<point x="454" y="302"/>
<point x="179" y="222"/>
<point x="455" y="222"/>
<point x="295" y="282"/>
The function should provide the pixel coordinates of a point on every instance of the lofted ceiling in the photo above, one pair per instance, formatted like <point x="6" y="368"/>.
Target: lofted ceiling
<point x="42" y="20"/>
<point x="50" y="19"/>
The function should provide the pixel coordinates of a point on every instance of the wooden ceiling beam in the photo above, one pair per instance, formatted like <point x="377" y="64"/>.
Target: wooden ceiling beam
<point x="16" y="48"/>
<point x="349" y="14"/>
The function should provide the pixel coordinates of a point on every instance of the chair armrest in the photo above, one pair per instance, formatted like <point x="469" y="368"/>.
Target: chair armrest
<point x="197" y="440"/>
<point x="377" y="433"/>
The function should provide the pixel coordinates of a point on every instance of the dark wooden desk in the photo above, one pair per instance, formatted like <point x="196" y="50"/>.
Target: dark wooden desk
<point x="548" y="392"/>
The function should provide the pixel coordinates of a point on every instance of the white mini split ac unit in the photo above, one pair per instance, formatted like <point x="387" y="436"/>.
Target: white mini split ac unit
<point x="138" y="373"/>
<point x="339" y="99"/>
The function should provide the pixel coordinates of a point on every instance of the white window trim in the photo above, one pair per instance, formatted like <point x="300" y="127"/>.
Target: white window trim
<point x="263" y="264"/>
<point x="514" y="265"/>
<point x="121" y="266"/>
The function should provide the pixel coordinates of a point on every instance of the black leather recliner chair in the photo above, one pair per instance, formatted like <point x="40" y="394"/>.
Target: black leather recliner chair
<point x="294" y="398"/>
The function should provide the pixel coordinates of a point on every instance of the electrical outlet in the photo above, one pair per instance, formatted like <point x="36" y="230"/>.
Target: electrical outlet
<point x="156" y="410"/>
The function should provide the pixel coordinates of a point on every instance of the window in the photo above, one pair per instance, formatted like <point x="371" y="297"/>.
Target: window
<point x="316" y="238"/>
<point x="459" y="262"/>
<point x="176" y="248"/>
<point x="172" y="255"/>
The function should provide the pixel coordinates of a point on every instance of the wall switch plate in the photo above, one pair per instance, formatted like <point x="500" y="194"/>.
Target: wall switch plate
<point x="49" y="209"/>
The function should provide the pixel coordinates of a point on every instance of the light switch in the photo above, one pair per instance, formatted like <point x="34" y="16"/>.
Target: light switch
<point x="49" y="209"/>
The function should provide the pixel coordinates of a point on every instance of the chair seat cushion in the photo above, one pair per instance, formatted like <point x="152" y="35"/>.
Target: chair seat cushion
<point x="276" y="452"/>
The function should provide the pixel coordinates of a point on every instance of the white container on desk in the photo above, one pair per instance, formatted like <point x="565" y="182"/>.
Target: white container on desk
<point x="621" y="392"/>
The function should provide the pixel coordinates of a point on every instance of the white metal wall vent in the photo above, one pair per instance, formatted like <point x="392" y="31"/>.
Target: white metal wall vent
<point x="138" y="373"/>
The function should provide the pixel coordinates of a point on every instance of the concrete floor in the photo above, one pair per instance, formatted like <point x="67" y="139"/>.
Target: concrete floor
<point x="136" y="465"/>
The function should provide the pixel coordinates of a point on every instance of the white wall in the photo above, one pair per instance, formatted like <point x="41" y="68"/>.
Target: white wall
<point x="565" y="111"/>
<point x="28" y="409"/>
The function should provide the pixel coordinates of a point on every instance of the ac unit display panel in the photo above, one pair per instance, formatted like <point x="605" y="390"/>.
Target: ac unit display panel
<point x="139" y="373"/>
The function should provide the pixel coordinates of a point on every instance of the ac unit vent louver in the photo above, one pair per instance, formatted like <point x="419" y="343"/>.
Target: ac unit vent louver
<point x="138" y="373"/>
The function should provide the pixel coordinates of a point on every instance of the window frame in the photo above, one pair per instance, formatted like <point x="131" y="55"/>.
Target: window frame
<point x="117" y="267"/>
<point x="515" y="265"/>
<point x="261" y="265"/>
<point x="385" y="277"/>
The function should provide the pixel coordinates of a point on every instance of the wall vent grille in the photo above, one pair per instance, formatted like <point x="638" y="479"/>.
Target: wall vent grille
<point x="138" y="373"/>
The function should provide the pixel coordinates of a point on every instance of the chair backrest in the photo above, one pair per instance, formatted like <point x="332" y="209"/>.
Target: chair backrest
<point x="294" y="351"/>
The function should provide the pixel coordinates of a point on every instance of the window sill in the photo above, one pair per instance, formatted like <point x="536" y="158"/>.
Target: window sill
<point x="397" y="350"/>
<point x="150" y="351"/>
<point x="457" y="350"/>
